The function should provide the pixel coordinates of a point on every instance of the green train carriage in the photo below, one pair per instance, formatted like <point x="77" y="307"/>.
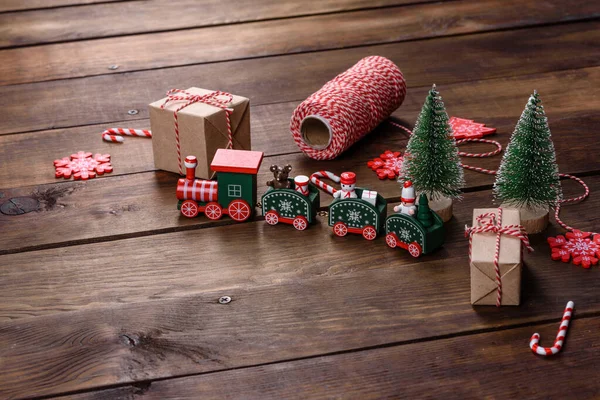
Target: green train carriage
<point x="419" y="234"/>
<point x="289" y="206"/>
<point x="355" y="215"/>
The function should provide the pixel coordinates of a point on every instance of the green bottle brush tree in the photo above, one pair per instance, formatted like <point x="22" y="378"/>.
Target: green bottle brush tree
<point x="431" y="161"/>
<point x="528" y="175"/>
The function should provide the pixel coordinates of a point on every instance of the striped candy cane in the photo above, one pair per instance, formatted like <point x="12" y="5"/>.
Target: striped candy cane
<point x="560" y="336"/>
<point x="115" y="135"/>
<point x="314" y="178"/>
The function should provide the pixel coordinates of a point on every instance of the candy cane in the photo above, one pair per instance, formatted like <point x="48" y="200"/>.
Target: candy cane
<point x="314" y="178"/>
<point x="112" y="134"/>
<point x="560" y="336"/>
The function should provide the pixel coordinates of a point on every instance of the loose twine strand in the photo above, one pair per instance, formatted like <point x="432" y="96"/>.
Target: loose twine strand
<point x="494" y="172"/>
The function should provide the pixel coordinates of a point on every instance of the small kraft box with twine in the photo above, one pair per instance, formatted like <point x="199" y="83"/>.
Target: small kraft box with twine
<point x="496" y="259"/>
<point x="197" y="122"/>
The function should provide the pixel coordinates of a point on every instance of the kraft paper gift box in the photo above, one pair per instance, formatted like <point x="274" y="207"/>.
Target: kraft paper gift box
<point x="483" y="275"/>
<point x="202" y="130"/>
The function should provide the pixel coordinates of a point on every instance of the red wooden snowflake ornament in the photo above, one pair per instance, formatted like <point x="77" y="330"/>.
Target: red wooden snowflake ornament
<point x="387" y="165"/>
<point x="469" y="129"/>
<point x="581" y="247"/>
<point x="82" y="165"/>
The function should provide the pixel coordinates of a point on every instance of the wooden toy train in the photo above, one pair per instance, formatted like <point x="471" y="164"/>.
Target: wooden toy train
<point x="233" y="193"/>
<point x="296" y="201"/>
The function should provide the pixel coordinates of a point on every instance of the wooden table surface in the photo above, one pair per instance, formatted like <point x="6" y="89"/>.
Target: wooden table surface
<point x="106" y="292"/>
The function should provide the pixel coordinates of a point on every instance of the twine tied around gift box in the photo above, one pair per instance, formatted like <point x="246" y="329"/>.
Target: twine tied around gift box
<point x="489" y="222"/>
<point x="210" y="99"/>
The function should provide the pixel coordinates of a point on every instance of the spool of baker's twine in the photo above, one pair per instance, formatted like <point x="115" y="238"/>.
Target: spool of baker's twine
<point x="348" y="107"/>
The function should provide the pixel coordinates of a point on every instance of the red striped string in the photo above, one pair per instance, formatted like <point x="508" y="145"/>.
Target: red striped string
<point x="353" y="104"/>
<point x="493" y="172"/>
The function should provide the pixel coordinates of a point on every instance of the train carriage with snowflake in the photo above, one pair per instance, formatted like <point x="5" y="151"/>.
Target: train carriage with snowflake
<point x="296" y="205"/>
<point x="353" y="210"/>
<point x="233" y="193"/>
<point x="420" y="233"/>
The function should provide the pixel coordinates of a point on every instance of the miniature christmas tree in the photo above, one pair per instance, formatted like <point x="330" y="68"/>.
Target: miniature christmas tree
<point x="528" y="175"/>
<point x="431" y="161"/>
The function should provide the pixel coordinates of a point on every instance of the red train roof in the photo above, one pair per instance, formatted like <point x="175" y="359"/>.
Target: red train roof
<point x="239" y="161"/>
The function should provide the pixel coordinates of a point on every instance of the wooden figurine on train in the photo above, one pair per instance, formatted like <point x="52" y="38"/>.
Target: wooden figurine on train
<point x="290" y="201"/>
<point x="354" y="209"/>
<point x="233" y="193"/>
<point x="415" y="228"/>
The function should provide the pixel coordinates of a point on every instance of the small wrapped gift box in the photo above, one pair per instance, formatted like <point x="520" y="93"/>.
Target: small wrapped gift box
<point x="501" y="285"/>
<point x="197" y="122"/>
<point x="370" y="196"/>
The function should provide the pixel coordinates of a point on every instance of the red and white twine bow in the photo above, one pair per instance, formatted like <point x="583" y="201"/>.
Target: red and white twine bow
<point x="217" y="99"/>
<point x="489" y="222"/>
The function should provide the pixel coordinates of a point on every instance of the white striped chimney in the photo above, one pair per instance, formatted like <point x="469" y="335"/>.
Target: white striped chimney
<point x="190" y="167"/>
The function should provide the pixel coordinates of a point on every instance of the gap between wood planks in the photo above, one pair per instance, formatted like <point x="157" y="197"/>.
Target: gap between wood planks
<point x="8" y="6"/>
<point x="69" y="61"/>
<point x="144" y="385"/>
<point x="224" y="17"/>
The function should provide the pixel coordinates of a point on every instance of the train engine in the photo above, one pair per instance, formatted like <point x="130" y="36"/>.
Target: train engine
<point x="233" y="193"/>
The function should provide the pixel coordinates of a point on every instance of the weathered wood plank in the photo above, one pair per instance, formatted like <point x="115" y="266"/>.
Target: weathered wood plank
<point x="268" y="38"/>
<point x="94" y="100"/>
<point x="141" y="269"/>
<point x="457" y="368"/>
<point x="315" y="309"/>
<point x="23" y="5"/>
<point x="134" y="17"/>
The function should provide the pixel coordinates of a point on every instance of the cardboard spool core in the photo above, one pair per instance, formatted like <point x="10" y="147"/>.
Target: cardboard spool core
<point x="534" y="220"/>
<point x="316" y="132"/>
<point x="442" y="207"/>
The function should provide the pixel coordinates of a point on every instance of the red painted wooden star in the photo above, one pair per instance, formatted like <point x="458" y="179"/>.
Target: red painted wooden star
<point x="469" y="129"/>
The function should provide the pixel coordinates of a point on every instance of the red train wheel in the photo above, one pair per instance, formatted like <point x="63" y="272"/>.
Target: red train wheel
<point x="239" y="210"/>
<point x="189" y="208"/>
<point x="340" y="229"/>
<point x="390" y="240"/>
<point x="271" y="218"/>
<point x="415" y="249"/>
<point x="369" y="232"/>
<point x="213" y="211"/>
<point x="300" y="223"/>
